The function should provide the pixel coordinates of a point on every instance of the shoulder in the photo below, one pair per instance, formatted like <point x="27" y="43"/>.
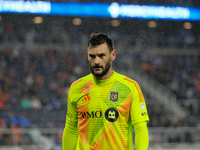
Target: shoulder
<point x="126" y="80"/>
<point x="80" y="82"/>
<point x="129" y="82"/>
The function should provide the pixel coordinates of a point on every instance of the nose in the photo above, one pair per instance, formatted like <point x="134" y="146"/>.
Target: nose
<point x="97" y="60"/>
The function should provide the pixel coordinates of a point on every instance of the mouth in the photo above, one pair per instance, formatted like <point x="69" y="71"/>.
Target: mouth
<point x="97" y="68"/>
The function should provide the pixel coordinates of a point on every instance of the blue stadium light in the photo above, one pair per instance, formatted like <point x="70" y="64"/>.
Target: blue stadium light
<point x="148" y="12"/>
<point x="32" y="7"/>
<point x="113" y="10"/>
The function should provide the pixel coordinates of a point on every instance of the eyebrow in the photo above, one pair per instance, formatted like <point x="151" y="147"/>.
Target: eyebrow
<point x="101" y="54"/>
<point x="91" y="55"/>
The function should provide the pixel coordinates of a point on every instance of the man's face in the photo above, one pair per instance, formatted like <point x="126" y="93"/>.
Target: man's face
<point x="100" y="60"/>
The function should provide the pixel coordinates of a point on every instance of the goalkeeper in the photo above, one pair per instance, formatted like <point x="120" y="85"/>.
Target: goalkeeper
<point x="104" y="106"/>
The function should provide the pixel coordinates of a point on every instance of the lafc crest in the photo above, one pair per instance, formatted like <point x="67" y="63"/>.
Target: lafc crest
<point x="114" y="96"/>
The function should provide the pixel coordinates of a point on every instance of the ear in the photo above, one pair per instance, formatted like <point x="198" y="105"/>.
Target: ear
<point x="113" y="55"/>
<point x="88" y="53"/>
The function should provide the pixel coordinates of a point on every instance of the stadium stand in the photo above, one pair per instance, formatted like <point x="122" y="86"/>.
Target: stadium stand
<point x="38" y="62"/>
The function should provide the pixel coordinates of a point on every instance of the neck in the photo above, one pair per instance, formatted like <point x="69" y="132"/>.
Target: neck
<point x="106" y="76"/>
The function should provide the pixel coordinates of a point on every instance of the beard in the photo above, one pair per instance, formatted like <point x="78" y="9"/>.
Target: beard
<point x="104" y="72"/>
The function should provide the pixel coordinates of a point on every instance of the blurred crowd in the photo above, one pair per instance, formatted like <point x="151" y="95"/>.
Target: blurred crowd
<point x="59" y="30"/>
<point x="181" y="74"/>
<point x="36" y="81"/>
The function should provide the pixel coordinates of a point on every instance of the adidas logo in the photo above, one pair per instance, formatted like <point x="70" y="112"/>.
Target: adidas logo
<point x="86" y="98"/>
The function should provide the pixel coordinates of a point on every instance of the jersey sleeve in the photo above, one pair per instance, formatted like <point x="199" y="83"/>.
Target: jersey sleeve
<point x="70" y="133"/>
<point x="138" y="110"/>
<point x="141" y="136"/>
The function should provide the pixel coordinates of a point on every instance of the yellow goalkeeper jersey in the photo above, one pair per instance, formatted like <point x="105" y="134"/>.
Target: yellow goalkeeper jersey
<point x="104" y="111"/>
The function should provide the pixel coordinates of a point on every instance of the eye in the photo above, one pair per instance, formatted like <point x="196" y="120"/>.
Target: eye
<point x="92" y="56"/>
<point x="101" y="55"/>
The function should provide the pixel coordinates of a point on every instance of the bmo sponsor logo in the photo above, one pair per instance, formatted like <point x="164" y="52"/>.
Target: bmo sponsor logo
<point x="92" y="114"/>
<point x="111" y="114"/>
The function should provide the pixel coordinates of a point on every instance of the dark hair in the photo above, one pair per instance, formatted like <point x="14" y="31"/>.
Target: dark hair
<point x="100" y="38"/>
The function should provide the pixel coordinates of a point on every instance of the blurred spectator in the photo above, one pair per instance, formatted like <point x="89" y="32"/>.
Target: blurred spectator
<point x="11" y="119"/>
<point x="45" y="102"/>
<point x="25" y="102"/>
<point x="36" y="103"/>
<point x="2" y="105"/>
<point x="22" y="121"/>
<point x="35" y="134"/>
<point x="50" y="124"/>
<point x="29" y="80"/>
<point x="2" y="123"/>
<point x="174" y="135"/>
<point x="4" y="98"/>
<point x="55" y="103"/>
<point x="15" y="136"/>
<point x="2" y="136"/>
<point x="58" y="137"/>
